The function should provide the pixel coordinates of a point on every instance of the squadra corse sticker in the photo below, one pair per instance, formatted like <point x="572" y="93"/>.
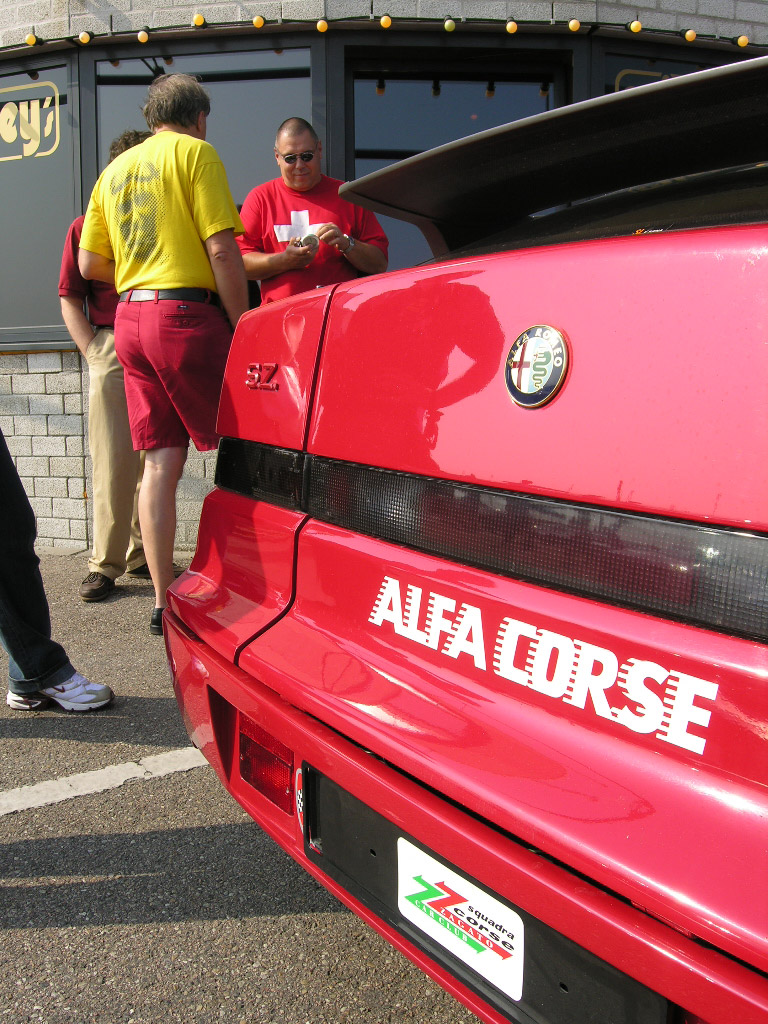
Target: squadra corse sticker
<point x="483" y="933"/>
<point x="558" y="667"/>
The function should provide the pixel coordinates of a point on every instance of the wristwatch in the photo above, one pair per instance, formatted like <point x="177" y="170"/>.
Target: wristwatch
<point x="351" y="245"/>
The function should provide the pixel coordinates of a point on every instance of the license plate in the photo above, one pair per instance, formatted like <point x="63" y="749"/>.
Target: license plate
<point x="473" y="926"/>
<point x="525" y="970"/>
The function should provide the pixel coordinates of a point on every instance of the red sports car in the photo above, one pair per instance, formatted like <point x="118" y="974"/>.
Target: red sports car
<point x="477" y="625"/>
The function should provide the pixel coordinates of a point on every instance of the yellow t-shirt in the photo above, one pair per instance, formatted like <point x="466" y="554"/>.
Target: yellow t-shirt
<point x="152" y="209"/>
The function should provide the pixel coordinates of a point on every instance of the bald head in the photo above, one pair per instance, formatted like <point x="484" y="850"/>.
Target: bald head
<point x="292" y="128"/>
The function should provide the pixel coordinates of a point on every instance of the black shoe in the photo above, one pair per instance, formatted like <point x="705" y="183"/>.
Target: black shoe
<point x="142" y="572"/>
<point x="156" y="622"/>
<point x="96" y="586"/>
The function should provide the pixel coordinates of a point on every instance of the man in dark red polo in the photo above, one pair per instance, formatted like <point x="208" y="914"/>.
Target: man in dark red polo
<point x="88" y="310"/>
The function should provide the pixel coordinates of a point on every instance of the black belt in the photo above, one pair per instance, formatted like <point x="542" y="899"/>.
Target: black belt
<point x="182" y="294"/>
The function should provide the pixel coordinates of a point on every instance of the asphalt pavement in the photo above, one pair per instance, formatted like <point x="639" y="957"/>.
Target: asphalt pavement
<point x="159" y="900"/>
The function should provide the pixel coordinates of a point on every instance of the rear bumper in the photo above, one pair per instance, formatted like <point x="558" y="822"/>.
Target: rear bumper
<point x="213" y="694"/>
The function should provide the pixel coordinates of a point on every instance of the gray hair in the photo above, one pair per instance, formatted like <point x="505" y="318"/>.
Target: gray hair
<point x="175" y="99"/>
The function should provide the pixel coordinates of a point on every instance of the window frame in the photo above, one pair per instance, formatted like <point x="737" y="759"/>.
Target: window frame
<point x="49" y="337"/>
<point x="80" y="67"/>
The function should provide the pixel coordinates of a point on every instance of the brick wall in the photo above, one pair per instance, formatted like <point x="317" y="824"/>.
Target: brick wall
<point x="41" y="416"/>
<point x="57" y="19"/>
<point x="44" y="417"/>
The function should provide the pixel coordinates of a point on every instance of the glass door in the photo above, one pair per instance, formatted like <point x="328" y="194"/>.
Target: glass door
<point x="409" y="103"/>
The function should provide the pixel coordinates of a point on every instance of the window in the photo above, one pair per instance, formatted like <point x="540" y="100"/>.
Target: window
<point x="251" y="94"/>
<point x="405" y="105"/>
<point x="36" y="160"/>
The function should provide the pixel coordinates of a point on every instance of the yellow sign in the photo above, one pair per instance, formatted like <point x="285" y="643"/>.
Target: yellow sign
<point x="624" y="78"/>
<point x="29" y="120"/>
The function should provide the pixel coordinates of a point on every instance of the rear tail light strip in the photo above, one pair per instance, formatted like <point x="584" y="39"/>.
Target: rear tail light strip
<point x="708" y="576"/>
<point x="261" y="471"/>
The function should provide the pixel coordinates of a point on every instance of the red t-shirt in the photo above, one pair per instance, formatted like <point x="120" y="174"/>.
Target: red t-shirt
<point x="101" y="297"/>
<point x="273" y="214"/>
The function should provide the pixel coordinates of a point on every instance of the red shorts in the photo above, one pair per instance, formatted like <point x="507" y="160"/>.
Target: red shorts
<point x="174" y="354"/>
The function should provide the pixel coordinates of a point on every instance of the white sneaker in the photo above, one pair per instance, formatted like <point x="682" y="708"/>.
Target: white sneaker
<point x="75" y="694"/>
<point x="26" y="701"/>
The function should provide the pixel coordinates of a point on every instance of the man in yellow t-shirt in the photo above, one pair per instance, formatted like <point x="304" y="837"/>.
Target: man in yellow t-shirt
<point x="161" y="226"/>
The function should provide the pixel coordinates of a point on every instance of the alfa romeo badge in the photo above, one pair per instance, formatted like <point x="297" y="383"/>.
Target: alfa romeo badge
<point x="536" y="366"/>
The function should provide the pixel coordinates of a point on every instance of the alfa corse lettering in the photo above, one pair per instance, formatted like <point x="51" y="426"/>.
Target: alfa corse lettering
<point x="656" y="701"/>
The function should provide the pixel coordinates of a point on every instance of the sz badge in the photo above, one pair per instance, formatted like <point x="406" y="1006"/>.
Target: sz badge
<point x="536" y="366"/>
<point x="260" y="377"/>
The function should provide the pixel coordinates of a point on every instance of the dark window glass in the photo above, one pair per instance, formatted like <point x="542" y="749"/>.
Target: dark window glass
<point x="396" y="117"/>
<point x="38" y="201"/>
<point x="251" y="94"/>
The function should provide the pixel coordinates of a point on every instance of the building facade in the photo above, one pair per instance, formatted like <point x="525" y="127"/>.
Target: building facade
<point x="379" y="79"/>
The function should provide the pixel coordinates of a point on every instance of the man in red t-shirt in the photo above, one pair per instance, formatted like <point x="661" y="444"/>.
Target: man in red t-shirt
<point x="303" y="201"/>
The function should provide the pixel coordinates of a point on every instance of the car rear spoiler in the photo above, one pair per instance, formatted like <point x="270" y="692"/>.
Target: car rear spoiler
<point x="476" y="186"/>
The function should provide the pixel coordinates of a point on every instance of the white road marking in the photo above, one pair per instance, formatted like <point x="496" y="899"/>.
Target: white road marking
<point x="56" y="790"/>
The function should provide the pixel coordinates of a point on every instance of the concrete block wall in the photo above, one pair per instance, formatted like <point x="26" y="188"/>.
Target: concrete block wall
<point x="57" y="19"/>
<point x="193" y="487"/>
<point x="44" y="418"/>
<point x="41" y="416"/>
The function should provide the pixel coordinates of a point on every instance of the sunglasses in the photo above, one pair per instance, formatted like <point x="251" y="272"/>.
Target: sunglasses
<point x="305" y="158"/>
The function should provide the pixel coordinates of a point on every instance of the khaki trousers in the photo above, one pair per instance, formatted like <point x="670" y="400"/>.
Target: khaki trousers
<point x="117" y="468"/>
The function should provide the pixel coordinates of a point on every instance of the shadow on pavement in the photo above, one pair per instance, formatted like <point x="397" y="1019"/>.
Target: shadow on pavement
<point x="216" y="871"/>
<point x="138" y="721"/>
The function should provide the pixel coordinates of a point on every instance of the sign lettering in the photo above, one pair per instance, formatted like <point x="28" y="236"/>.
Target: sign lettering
<point x="29" y="121"/>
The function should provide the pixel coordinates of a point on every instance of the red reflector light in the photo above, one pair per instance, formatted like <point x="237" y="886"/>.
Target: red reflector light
<point x="266" y="764"/>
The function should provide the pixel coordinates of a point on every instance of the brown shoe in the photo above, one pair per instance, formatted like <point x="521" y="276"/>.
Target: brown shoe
<point x="96" y="586"/>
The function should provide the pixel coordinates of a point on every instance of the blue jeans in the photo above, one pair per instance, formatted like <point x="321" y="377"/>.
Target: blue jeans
<point x="34" y="660"/>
